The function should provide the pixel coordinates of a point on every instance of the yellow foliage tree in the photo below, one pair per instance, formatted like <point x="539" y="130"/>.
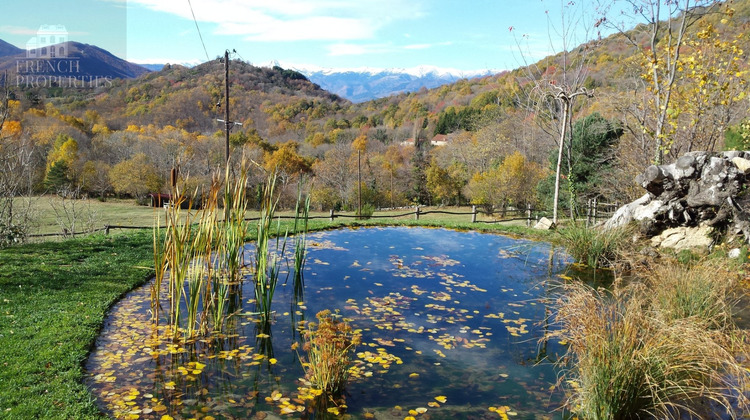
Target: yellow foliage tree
<point x="135" y="176"/>
<point x="513" y="183"/>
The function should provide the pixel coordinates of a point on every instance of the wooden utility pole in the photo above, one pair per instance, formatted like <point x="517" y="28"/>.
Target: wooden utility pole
<point x="226" y="101"/>
<point x="228" y="124"/>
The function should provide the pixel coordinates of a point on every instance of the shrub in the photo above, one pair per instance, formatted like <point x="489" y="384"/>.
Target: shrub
<point x="628" y="361"/>
<point x="328" y="346"/>
<point x="367" y="211"/>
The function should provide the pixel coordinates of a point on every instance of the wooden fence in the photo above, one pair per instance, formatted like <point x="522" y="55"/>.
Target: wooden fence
<point x="595" y="211"/>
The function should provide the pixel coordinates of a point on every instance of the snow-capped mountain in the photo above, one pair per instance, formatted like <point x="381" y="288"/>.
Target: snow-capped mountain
<point x="367" y="83"/>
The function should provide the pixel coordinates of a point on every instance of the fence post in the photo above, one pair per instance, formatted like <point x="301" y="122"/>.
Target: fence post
<point x="588" y="213"/>
<point x="528" y="215"/>
<point x="416" y="214"/>
<point x="596" y="213"/>
<point x="332" y="215"/>
<point x="106" y="230"/>
<point x="473" y="214"/>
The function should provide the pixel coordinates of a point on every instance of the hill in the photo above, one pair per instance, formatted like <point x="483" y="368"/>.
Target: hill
<point x="426" y="146"/>
<point x="80" y="61"/>
<point x="7" y="49"/>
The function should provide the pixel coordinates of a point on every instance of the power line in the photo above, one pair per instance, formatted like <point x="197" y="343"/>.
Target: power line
<point x="199" y="31"/>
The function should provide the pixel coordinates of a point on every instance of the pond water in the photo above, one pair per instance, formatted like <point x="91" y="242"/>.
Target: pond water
<point x="451" y="322"/>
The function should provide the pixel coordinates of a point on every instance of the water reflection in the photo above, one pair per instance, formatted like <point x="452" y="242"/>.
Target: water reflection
<point x="452" y="323"/>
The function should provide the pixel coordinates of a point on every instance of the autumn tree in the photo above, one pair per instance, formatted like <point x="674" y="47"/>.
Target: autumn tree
<point x="512" y="183"/>
<point x="445" y="184"/>
<point x="136" y="177"/>
<point x="61" y="162"/>
<point x="660" y="44"/>
<point x="94" y="178"/>
<point x="711" y="86"/>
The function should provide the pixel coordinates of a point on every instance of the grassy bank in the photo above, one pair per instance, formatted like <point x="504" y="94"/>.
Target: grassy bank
<point x="54" y="297"/>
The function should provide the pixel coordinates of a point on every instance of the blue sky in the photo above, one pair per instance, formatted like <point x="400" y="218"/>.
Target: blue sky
<point x="465" y="35"/>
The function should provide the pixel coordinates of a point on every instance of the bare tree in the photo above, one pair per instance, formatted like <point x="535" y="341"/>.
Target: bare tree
<point x="16" y="177"/>
<point x="558" y="82"/>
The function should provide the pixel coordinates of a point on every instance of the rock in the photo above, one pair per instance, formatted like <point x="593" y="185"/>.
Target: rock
<point x="544" y="224"/>
<point x="734" y="253"/>
<point x="700" y="188"/>
<point x="653" y="179"/>
<point x="682" y="238"/>
<point x="742" y="164"/>
<point x="625" y="214"/>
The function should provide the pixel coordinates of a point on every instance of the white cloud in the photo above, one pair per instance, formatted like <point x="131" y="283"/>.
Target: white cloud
<point x="292" y="20"/>
<point x="21" y="30"/>
<point x="18" y="30"/>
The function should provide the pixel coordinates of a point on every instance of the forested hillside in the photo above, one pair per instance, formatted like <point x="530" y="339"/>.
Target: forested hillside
<point x="491" y="141"/>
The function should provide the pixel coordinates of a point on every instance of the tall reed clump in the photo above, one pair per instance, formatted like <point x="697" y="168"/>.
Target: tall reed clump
<point x="329" y="345"/>
<point x="233" y="231"/>
<point x="267" y="257"/>
<point x="178" y="255"/>
<point x="593" y="247"/>
<point x="202" y="255"/>
<point x="626" y="360"/>
<point x="301" y="217"/>
<point x="160" y="268"/>
<point x="704" y="291"/>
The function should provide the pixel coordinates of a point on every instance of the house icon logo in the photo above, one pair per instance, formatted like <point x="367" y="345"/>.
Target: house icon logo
<point x="51" y="41"/>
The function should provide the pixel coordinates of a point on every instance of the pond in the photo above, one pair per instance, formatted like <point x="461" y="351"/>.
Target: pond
<point x="451" y="326"/>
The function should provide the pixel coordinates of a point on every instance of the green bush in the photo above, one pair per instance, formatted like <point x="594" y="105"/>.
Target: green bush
<point x="367" y="211"/>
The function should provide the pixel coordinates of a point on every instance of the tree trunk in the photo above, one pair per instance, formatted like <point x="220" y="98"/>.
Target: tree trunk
<point x="566" y="107"/>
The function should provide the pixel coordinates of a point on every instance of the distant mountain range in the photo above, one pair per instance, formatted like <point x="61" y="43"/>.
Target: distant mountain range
<point x="364" y="84"/>
<point x="357" y="85"/>
<point x="79" y="61"/>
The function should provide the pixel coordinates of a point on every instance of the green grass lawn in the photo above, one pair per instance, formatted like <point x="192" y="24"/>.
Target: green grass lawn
<point x="54" y="297"/>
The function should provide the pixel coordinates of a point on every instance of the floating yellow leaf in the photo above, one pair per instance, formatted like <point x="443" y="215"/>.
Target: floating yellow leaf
<point x="421" y="410"/>
<point x="414" y="375"/>
<point x="441" y="399"/>
<point x="167" y="417"/>
<point x="272" y="361"/>
<point x="334" y="411"/>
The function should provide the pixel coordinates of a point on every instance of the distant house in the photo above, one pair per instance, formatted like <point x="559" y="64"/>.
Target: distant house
<point x="51" y="41"/>
<point x="439" y="140"/>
